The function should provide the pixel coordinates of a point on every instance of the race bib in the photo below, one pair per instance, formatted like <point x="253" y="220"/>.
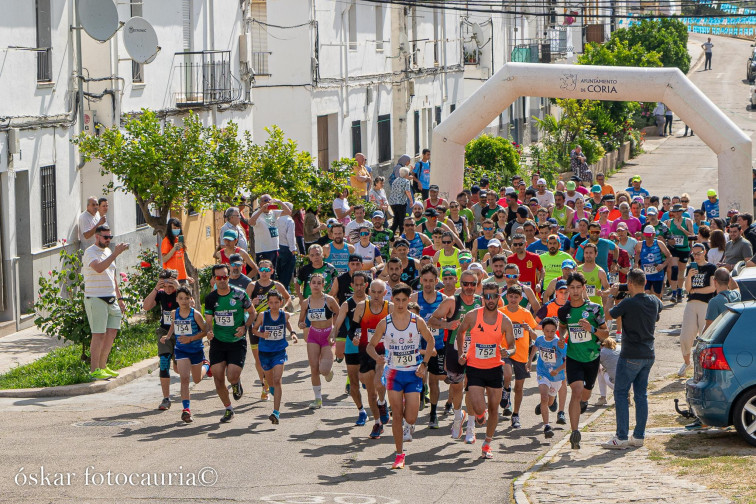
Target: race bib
<point x="590" y="289"/>
<point x="316" y="314"/>
<point x="183" y="328"/>
<point x="613" y="278"/>
<point x="579" y="335"/>
<point x="697" y="282"/>
<point x="548" y="355"/>
<point x="679" y="240"/>
<point x="518" y="330"/>
<point x="273" y="232"/>
<point x="224" y="320"/>
<point x="403" y="359"/>
<point x="167" y="317"/>
<point x="370" y="334"/>
<point x="485" y="351"/>
<point x="649" y="269"/>
<point x="276" y="334"/>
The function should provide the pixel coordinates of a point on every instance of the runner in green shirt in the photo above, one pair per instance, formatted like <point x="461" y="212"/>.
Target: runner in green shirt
<point x="552" y="260"/>
<point x="380" y="236"/>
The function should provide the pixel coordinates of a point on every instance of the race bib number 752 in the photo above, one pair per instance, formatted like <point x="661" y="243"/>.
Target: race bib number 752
<point x="485" y="351"/>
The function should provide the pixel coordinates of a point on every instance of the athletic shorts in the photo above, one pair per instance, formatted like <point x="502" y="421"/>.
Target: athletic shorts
<point x="554" y="386"/>
<point x="585" y="372"/>
<point x="403" y="381"/>
<point x="231" y="353"/>
<point x="455" y="373"/>
<point x="194" y="356"/>
<point x="367" y="363"/>
<point x="519" y="368"/>
<point x="352" y="359"/>
<point x="436" y="365"/>
<point x="101" y="315"/>
<point x="167" y="347"/>
<point x="655" y="286"/>
<point x="492" y="378"/>
<point x="682" y="255"/>
<point x="254" y="340"/>
<point x="269" y="360"/>
<point x="319" y="336"/>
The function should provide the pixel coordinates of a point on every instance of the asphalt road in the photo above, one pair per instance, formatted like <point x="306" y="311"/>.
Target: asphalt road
<point x="311" y="456"/>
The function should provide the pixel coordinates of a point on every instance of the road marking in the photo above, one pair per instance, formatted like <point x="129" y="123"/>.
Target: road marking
<point x="327" y="497"/>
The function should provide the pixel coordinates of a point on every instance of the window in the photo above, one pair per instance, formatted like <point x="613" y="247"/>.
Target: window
<point x="137" y="69"/>
<point x="452" y="107"/>
<point x="353" y="26"/>
<point x="438" y="116"/>
<point x="379" y="27"/>
<point x="417" y="132"/>
<point x="140" y="220"/>
<point x="436" y="36"/>
<point x="44" y="41"/>
<point x="356" y="137"/>
<point x="49" y="206"/>
<point x="384" y="138"/>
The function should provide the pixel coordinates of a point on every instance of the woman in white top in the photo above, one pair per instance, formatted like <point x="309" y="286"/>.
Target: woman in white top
<point x="717" y="244"/>
<point x="378" y="194"/>
<point x="341" y="208"/>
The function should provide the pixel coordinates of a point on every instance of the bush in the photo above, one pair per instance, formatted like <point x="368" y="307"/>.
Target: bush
<point x="496" y="158"/>
<point x="137" y="285"/>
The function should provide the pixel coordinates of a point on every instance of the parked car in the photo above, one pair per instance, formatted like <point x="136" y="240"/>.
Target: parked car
<point x="722" y="391"/>
<point x="746" y="280"/>
<point x="751" y="67"/>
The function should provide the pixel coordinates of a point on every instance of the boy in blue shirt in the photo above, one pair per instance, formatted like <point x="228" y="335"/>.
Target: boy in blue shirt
<point x="552" y="355"/>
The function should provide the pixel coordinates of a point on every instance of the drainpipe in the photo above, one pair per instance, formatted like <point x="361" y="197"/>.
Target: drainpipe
<point x="79" y="78"/>
<point x="345" y="42"/>
<point x="444" y="85"/>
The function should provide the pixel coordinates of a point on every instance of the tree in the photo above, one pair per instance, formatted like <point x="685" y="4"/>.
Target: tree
<point x="167" y="166"/>
<point x="495" y="157"/>
<point x="667" y="37"/>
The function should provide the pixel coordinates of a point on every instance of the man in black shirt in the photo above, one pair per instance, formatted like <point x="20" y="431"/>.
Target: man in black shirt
<point x="639" y="312"/>
<point x="342" y="287"/>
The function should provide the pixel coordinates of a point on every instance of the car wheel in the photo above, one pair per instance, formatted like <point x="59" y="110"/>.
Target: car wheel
<point x="744" y="416"/>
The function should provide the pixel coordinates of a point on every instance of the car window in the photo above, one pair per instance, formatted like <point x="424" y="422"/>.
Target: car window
<point x="718" y="330"/>
<point x="747" y="288"/>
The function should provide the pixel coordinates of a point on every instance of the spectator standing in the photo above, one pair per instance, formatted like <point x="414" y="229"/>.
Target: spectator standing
<point x="298" y="218"/>
<point x="341" y="208"/>
<point x="264" y="224"/>
<point x="722" y="282"/>
<point x="173" y="249"/>
<point x="312" y="227"/>
<point x="88" y="222"/>
<point x="360" y="179"/>
<point x="737" y="249"/>
<point x="102" y="300"/>
<point x="399" y="197"/>
<point x="287" y="249"/>
<point x="668" y="118"/>
<point x="579" y="164"/>
<point x="102" y="209"/>
<point x="233" y="223"/>
<point x="421" y="173"/>
<point x="378" y="195"/>
<point x="706" y="46"/>
<point x="659" y="112"/>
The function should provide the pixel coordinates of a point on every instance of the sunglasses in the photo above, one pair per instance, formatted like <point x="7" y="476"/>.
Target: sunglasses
<point x="594" y="232"/>
<point x="487" y="229"/>
<point x="469" y="284"/>
<point x="685" y="201"/>
<point x="364" y="234"/>
<point x="511" y="276"/>
<point x="465" y="261"/>
<point x="221" y="277"/>
<point x="453" y="206"/>
<point x="489" y="296"/>
<point x="518" y="244"/>
<point x="106" y="237"/>
<point x="446" y="242"/>
<point x="265" y="269"/>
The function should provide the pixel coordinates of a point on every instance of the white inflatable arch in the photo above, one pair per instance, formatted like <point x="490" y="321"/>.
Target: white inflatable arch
<point x="667" y="85"/>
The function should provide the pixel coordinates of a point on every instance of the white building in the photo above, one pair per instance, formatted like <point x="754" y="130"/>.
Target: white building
<point x="43" y="188"/>
<point x="347" y="76"/>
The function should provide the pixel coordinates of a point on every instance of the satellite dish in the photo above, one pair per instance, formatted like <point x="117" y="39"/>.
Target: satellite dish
<point x="99" y="18"/>
<point x="140" y="40"/>
<point x="478" y="35"/>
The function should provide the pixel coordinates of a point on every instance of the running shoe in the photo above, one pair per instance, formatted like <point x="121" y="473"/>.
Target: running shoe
<point x="553" y="406"/>
<point x="683" y="369"/>
<point x="615" y="444"/>
<point x="339" y="360"/>
<point x="575" y="439"/>
<point x="482" y="419"/>
<point x="422" y="402"/>
<point x="99" y="374"/>
<point x="470" y="435"/>
<point x="634" y="441"/>
<point x="209" y="373"/>
<point x="407" y="431"/>
<point x="398" y="461"/>
<point x="165" y="404"/>
<point x="561" y="418"/>
<point x="110" y="372"/>
<point x="538" y="409"/>
<point x="506" y="406"/>
<point x="433" y="423"/>
<point x="504" y="398"/>
<point x="583" y="406"/>
<point x="426" y="394"/>
<point x="361" y="418"/>
<point x="601" y="401"/>
<point x="264" y="396"/>
<point x="696" y="425"/>
<point x="447" y="408"/>
<point x="456" y="431"/>
<point x="548" y="432"/>
<point x="238" y="390"/>
<point x="347" y="388"/>
<point x="273" y="419"/>
<point x="316" y="404"/>
<point x="186" y="416"/>
<point x="329" y="376"/>
<point x="228" y="415"/>
<point x="486" y="452"/>
<point x="383" y="413"/>
<point x="377" y="431"/>
<point x="515" y="421"/>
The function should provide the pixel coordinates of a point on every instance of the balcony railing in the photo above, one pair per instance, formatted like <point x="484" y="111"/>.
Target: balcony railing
<point x="204" y="78"/>
<point x="44" y="65"/>
<point x="260" y="63"/>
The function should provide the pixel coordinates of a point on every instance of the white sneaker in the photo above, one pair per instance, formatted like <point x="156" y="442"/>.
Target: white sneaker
<point x="683" y="369"/>
<point x="470" y="435"/>
<point x="408" y="431"/>
<point x="634" y="441"/>
<point x="329" y="376"/>
<point x="601" y="401"/>
<point x="615" y="444"/>
<point x="456" y="430"/>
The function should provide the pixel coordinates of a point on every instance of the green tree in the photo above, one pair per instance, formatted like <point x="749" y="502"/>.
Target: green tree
<point x="667" y="37"/>
<point x="495" y="157"/>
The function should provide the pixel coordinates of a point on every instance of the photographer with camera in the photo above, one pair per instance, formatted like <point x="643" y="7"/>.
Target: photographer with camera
<point x="173" y="250"/>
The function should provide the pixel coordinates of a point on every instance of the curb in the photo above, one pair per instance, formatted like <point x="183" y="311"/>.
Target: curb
<point x="519" y="484"/>
<point x="126" y="375"/>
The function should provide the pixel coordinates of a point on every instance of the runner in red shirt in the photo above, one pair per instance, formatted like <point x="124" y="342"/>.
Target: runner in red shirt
<point x="531" y="268"/>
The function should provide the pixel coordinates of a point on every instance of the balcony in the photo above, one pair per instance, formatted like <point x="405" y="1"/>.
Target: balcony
<point x="204" y="78"/>
<point x="260" y="63"/>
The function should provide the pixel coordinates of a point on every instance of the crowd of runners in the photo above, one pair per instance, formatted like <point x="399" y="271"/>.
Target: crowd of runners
<point x="470" y="296"/>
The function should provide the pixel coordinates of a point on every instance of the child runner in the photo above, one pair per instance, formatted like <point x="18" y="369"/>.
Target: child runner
<point x="552" y="352"/>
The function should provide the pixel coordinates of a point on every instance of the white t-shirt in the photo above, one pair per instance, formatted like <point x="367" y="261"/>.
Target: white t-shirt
<point x="707" y="46"/>
<point x="576" y="196"/>
<point x="87" y="221"/>
<point x="342" y="204"/>
<point x="266" y="231"/>
<point x="353" y="226"/>
<point x="545" y="199"/>
<point x="98" y="284"/>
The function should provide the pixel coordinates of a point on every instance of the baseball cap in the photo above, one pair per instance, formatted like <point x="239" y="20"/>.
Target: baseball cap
<point x="732" y="212"/>
<point x="476" y="266"/>
<point x="235" y="259"/>
<point x="541" y="181"/>
<point x="417" y="203"/>
<point x="230" y="234"/>
<point x="331" y="221"/>
<point x="433" y="187"/>
<point x="401" y="243"/>
<point x="522" y="211"/>
<point x="677" y="207"/>
<point x="569" y="263"/>
<point x="431" y="212"/>
<point x="596" y="189"/>
<point x="711" y="193"/>
<point x="570" y="185"/>
<point x="603" y="209"/>
<point x="622" y="225"/>
<point x="561" y="284"/>
<point x="378" y="213"/>
<point x="652" y="211"/>
<point x="509" y="189"/>
<point x="354" y="258"/>
<point x="448" y="271"/>
<point x="552" y="221"/>
<point x="494" y="243"/>
<point x="649" y="231"/>
<point x="636" y="178"/>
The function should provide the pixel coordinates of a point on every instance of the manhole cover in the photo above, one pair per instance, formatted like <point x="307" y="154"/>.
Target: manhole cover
<point x="106" y="423"/>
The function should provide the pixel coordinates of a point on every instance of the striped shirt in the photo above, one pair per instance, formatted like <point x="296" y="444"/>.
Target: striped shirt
<point x="98" y="284"/>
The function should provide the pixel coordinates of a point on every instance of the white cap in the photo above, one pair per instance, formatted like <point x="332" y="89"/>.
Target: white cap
<point x="476" y="266"/>
<point x="541" y="181"/>
<point x="649" y="230"/>
<point x="494" y="243"/>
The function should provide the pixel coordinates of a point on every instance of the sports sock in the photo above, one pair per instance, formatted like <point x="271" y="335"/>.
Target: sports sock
<point x="433" y="410"/>
<point x="361" y="410"/>
<point x="185" y="403"/>
<point x="470" y="421"/>
<point x="276" y="413"/>
<point x="458" y="414"/>
<point x="272" y="390"/>
<point x="318" y="394"/>
<point x="229" y="407"/>
<point x="206" y="368"/>
<point x="381" y="403"/>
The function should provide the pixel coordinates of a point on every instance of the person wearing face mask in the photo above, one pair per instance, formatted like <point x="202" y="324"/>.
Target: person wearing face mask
<point x="173" y="249"/>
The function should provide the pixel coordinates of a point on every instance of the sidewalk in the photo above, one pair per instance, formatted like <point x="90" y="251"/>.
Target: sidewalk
<point x="24" y="347"/>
